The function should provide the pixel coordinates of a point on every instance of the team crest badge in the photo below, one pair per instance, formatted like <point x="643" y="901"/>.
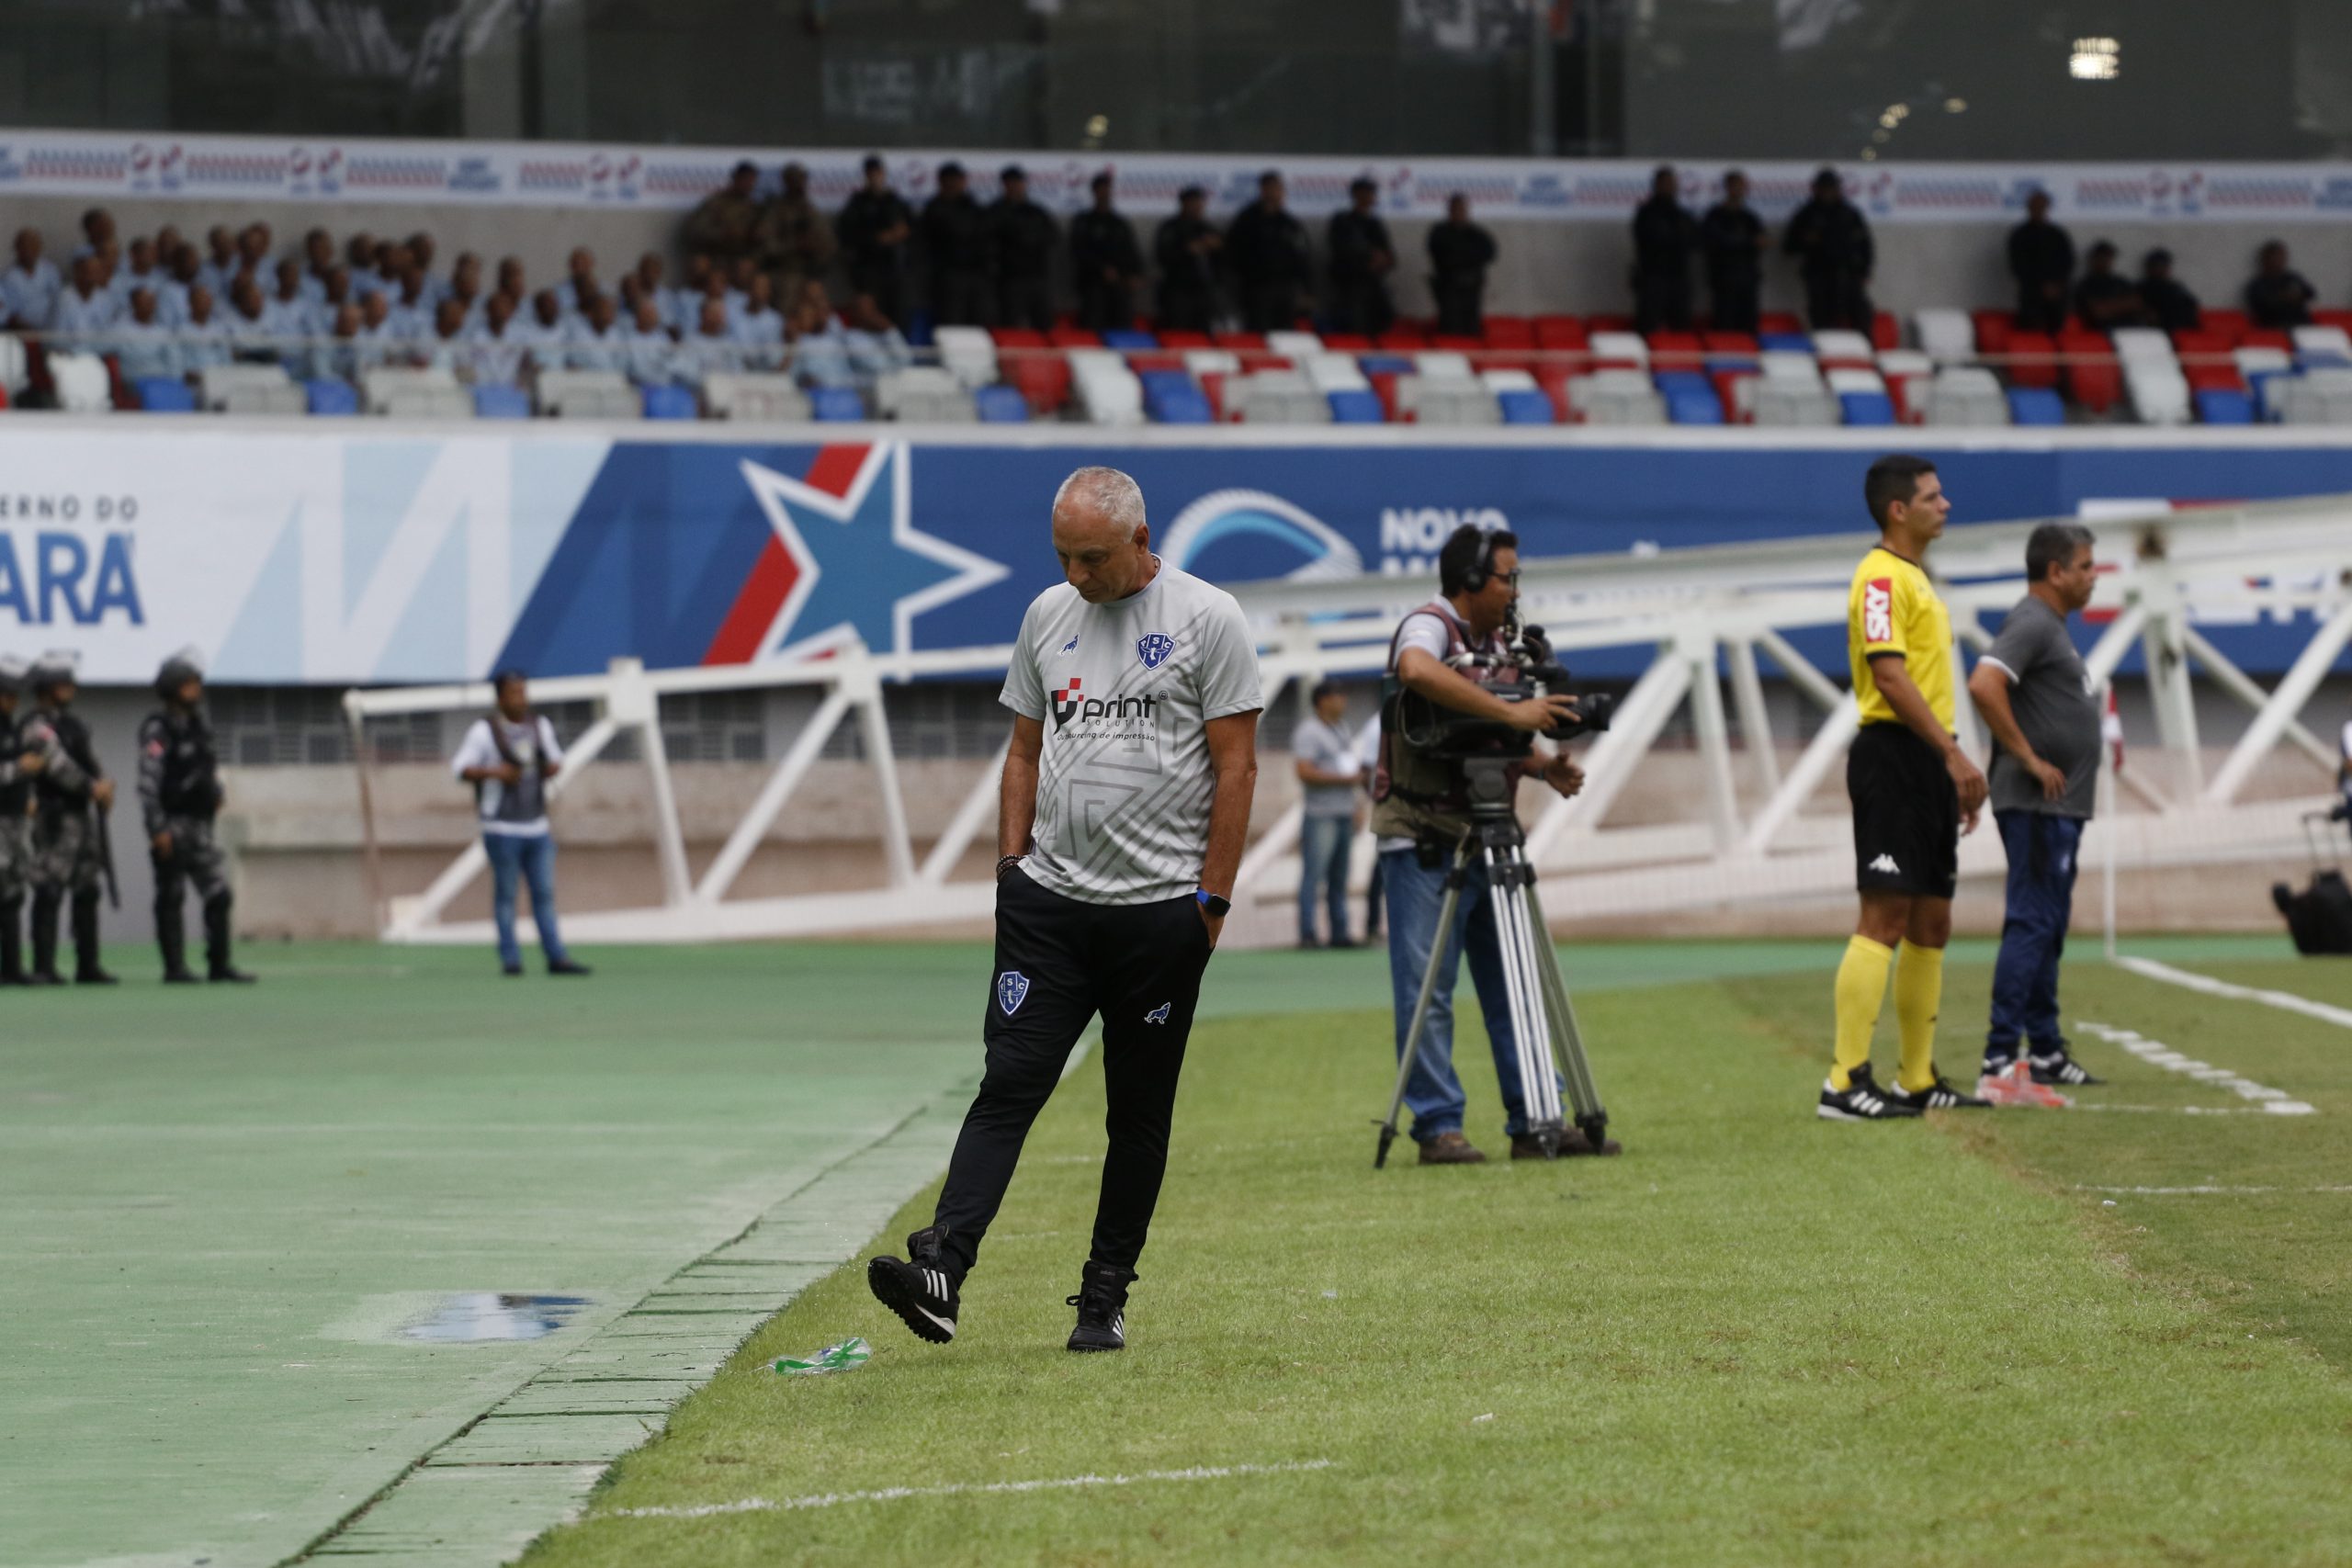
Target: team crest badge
<point x="1159" y="1014"/>
<point x="1154" y="648"/>
<point x="1011" y="990"/>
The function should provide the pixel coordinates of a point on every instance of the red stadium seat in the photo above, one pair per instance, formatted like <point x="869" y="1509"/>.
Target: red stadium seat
<point x="1609" y="323"/>
<point x="2032" y="358"/>
<point x="2324" y="317"/>
<point x="1017" y="337"/>
<point x="1559" y="333"/>
<point x="1067" y="336"/>
<point x="2092" y="377"/>
<point x="1727" y="391"/>
<point x="1159" y="360"/>
<point x="1347" y="342"/>
<point x="1674" y="350"/>
<point x="1780" y="321"/>
<point x="1179" y="338"/>
<point x="1509" y="331"/>
<point x="2231" y="325"/>
<point x="1384" y="387"/>
<point x="2267" y="337"/>
<point x="1237" y="340"/>
<point x="1043" y="378"/>
<point x="1261" y="358"/>
<point x="1898" y="392"/>
<point x="1886" y="331"/>
<point x="1403" y="335"/>
<point x="1728" y="343"/>
<point x="1213" y="387"/>
<point x="2205" y="361"/>
<point x="1992" y="330"/>
<point x="1522" y="359"/>
<point x="1458" y="343"/>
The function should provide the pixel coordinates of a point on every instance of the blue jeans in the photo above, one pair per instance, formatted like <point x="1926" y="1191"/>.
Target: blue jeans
<point x="2042" y="850"/>
<point x="1323" y="868"/>
<point x="533" y="859"/>
<point x="1433" y="1092"/>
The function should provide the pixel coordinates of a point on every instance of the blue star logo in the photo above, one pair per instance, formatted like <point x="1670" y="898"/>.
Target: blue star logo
<point x="863" y="570"/>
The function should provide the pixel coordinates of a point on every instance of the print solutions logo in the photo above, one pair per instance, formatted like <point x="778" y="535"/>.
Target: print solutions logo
<point x="1071" y="703"/>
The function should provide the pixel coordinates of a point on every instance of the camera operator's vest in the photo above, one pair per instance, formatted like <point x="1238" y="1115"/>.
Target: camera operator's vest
<point x="1415" y="795"/>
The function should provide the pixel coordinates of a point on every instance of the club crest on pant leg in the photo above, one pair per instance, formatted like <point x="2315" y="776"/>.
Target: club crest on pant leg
<point x="1154" y="647"/>
<point x="1011" y="990"/>
<point x="1159" y="1014"/>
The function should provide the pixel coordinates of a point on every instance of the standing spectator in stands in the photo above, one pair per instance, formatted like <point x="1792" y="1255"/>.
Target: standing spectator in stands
<point x="601" y="341"/>
<point x="248" y="322"/>
<point x="83" y="312"/>
<point x="1360" y="259"/>
<point x="1104" y="262"/>
<point x="1271" y="258"/>
<point x="289" y="312"/>
<point x="168" y="241"/>
<point x="1022" y="237"/>
<point x="738" y="292"/>
<point x="2105" y="298"/>
<point x="143" y="343"/>
<point x="28" y="289"/>
<point x="317" y="257"/>
<point x="646" y="276"/>
<point x="820" y="354"/>
<point x="1187" y="247"/>
<point x="875" y="227"/>
<point x="955" y="252"/>
<point x="651" y="357"/>
<point x="203" y="340"/>
<point x="98" y="232"/>
<point x="1664" y="238"/>
<point x="726" y="225"/>
<point x="2167" y="298"/>
<point x="876" y="347"/>
<point x="1460" y="253"/>
<point x="758" y="327"/>
<point x="1732" y="239"/>
<point x="222" y="266"/>
<point x="1832" y="241"/>
<point x="2042" y="259"/>
<point x="109" y="259"/>
<point x="2276" y="297"/>
<point x="579" y="285"/>
<point x="795" y="240"/>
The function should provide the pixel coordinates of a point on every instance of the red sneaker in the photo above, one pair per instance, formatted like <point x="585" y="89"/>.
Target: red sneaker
<point x="2014" y="1085"/>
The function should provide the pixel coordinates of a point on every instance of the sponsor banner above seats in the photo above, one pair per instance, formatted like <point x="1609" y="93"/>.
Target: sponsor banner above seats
<point x="295" y="559"/>
<point x="228" y="169"/>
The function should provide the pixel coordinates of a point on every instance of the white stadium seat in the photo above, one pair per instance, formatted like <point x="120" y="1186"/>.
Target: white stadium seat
<point x="1106" y="390"/>
<point x="1446" y="399"/>
<point x="1790" y="367"/>
<point x="1963" y="395"/>
<point x="1945" y="333"/>
<point x="417" y="394"/>
<point x="2321" y="395"/>
<point x="1276" y="397"/>
<point x="588" y="394"/>
<point x="1203" y="362"/>
<point x="968" y="353"/>
<point x="2143" y="345"/>
<point x="2323" y="345"/>
<point x="1840" y="346"/>
<point x="1617" y="397"/>
<point x="253" y="389"/>
<point x="923" y="394"/>
<point x="15" y="373"/>
<point x="1787" y="401"/>
<point x="82" y="382"/>
<point x="773" y="399"/>
<point x="1329" y="373"/>
<point x="1619" y="348"/>
<point x="1501" y="381"/>
<point x="1442" y="365"/>
<point x="1294" y="345"/>
<point x="2159" y="391"/>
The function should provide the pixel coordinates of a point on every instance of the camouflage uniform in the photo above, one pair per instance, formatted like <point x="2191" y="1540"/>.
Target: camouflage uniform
<point x="179" y="793"/>
<point x="16" y="851"/>
<point x="64" y="841"/>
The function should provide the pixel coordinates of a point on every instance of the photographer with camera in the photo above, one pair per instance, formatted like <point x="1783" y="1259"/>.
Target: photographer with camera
<point x="1462" y="677"/>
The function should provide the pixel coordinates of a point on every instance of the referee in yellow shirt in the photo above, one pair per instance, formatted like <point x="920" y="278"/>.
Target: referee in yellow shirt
<point x="1914" y="791"/>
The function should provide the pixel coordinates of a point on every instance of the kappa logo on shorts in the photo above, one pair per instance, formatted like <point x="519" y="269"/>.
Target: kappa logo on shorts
<point x="1886" y="864"/>
<point x="1011" y="990"/>
<point x="1159" y="1014"/>
<point x="1878" y="610"/>
<point x="1153" y="649"/>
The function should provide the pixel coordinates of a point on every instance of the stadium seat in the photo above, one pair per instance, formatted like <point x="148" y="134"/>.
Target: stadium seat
<point x="2259" y="366"/>
<point x="2332" y="316"/>
<point x="2207" y="361"/>
<point x="1444" y="399"/>
<point x="1945" y="333"/>
<point x="329" y="398"/>
<point x="1043" y="377"/>
<point x="1686" y="405"/>
<point x="1104" y="391"/>
<point x="1840" y="348"/>
<point x="81" y="383"/>
<point x="1993" y="331"/>
<point x="1276" y="397"/>
<point x="1866" y="407"/>
<point x="1294" y="345"/>
<point x="2321" y="345"/>
<point x="1730" y="345"/>
<point x="668" y="401"/>
<point x="2231" y="324"/>
<point x="1346" y="343"/>
<point x="401" y="393"/>
<point x="1375" y="366"/>
<point x="513" y="402"/>
<point x="588" y="394"/>
<point x="1187" y="405"/>
<point x="1016" y="337"/>
<point x="1560" y="334"/>
<point x="968" y="353"/>
<point x="1509" y="332"/>
<point x="252" y="388"/>
<point x="2032" y="359"/>
<point x="1256" y="359"/>
<point x="836" y="405"/>
<point x="734" y="395"/>
<point x="164" y="394"/>
<point x="2094" y="373"/>
<point x="1964" y="395"/>
<point x="1236" y="341"/>
<point x="1789" y="367"/>
<point x="1443" y="364"/>
<point x="1526" y="405"/>
<point x="922" y="394"/>
<point x="1181" y="338"/>
<point x="2159" y="392"/>
<point x="2221" y="405"/>
<point x="2322" y="395"/>
<point x="1074" y="337"/>
<point x="1128" y="339"/>
<point x="1332" y="373"/>
<point x="1674" y="350"/>
<point x="1785" y="402"/>
<point x="1900" y="368"/>
<point x="1212" y="362"/>
<point x="16" y="365"/>
<point x="1458" y="342"/>
<point x="1615" y="397"/>
<point x="1356" y="406"/>
<point x="1886" y="331"/>
<point x="2036" y="405"/>
<point x="1782" y="322"/>
<point x="1618" y="351"/>
<point x="1734" y="388"/>
<point x="1000" y="405"/>
<point x="1507" y="380"/>
<point x="1402" y="338"/>
<point x="1784" y="342"/>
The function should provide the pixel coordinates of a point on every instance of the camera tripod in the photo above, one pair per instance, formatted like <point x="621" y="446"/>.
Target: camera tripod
<point x="1543" y="1024"/>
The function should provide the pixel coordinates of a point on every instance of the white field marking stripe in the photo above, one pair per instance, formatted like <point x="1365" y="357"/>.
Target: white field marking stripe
<point x="2288" y="1000"/>
<point x="2200" y="1192"/>
<point x="897" y="1494"/>
<point x="2275" y="1102"/>
<point x="2181" y="1110"/>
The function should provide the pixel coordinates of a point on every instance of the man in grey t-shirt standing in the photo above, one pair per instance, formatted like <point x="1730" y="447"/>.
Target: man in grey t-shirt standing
<point x="2039" y="702"/>
<point x="1135" y="695"/>
<point x="1328" y="774"/>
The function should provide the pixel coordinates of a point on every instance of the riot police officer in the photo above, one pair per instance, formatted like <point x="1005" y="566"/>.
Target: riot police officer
<point x="18" y="768"/>
<point x="179" y="796"/>
<point x="71" y="797"/>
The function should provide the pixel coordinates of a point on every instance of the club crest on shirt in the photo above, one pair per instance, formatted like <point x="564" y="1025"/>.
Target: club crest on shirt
<point x="1072" y="645"/>
<point x="1011" y="990"/>
<point x="1153" y="649"/>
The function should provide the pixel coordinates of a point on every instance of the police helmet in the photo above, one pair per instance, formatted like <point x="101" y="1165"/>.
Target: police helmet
<point x="12" y="672"/>
<point x="56" y="668"/>
<point x="178" y="671"/>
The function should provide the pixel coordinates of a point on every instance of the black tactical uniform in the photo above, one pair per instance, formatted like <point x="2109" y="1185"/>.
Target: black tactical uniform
<point x="1104" y="263"/>
<point x="1728" y="236"/>
<point x="956" y="258"/>
<point x="876" y="265"/>
<point x="1832" y="240"/>
<point x="179" y="796"/>
<point x="1361" y="259"/>
<point x="67" y="824"/>
<point x="15" y="797"/>
<point x="1022" y="237"/>
<point x="1460" y="253"/>
<point x="1665" y="235"/>
<point x="1273" y="265"/>
<point x="1187" y="273"/>
<point x="2042" y="259"/>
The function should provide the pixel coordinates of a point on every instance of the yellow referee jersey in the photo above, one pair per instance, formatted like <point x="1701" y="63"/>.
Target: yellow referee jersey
<point x="1892" y="608"/>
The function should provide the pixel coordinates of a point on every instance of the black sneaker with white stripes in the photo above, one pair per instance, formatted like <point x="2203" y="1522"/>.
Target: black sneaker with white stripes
<point x="1102" y="1303"/>
<point x="1862" y="1101"/>
<point x="2059" y="1067"/>
<point x="1940" y="1095"/>
<point x="921" y="1288"/>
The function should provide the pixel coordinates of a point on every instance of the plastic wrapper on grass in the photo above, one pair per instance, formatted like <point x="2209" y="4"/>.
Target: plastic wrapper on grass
<point x="845" y="1357"/>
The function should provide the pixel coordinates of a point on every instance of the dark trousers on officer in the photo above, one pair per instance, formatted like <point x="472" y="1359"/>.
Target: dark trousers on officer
<point x="1059" y="963"/>
<point x="2042" y="850"/>
<point x="196" y="859"/>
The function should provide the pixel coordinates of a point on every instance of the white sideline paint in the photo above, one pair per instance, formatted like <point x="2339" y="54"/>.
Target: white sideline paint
<point x="897" y="1494"/>
<point x="2288" y="1000"/>
<point x="2178" y="1109"/>
<point x="2201" y="1191"/>
<point x="2274" y="1101"/>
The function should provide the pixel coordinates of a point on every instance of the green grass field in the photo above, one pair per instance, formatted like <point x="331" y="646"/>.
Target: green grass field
<point x="2100" y="1337"/>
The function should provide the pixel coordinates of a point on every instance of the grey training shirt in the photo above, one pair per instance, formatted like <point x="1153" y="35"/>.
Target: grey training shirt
<point x="1125" y="692"/>
<point x="1328" y="749"/>
<point x="2051" y="692"/>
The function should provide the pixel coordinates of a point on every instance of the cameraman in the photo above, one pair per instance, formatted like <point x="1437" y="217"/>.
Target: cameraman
<point x="1421" y="813"/>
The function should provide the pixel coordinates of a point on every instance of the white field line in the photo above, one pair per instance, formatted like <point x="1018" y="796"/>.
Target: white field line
<point x="2275" y="1102"/>
<point x="2176" y="1110"/>
<point x="2200" y="1190"/>
<point x="897" y="1494"/>
<point x="2286" y="1001"/>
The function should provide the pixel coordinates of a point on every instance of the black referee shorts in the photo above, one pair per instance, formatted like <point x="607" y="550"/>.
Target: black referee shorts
<point x="1907" y="814"/>
<point x="1059" y="963"/>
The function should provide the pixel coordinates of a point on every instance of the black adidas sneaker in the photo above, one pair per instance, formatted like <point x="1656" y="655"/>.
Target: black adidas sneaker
<point x="1862" y="1101"/>
<point x="920" y="1289"/>
<point x="2059" y="1067"/>
<point x="1102" y="1303"/>
<point x="1940" y="1095"/>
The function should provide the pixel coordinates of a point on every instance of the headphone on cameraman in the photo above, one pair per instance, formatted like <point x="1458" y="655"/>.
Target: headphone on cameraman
<point x="1475" y="574"/>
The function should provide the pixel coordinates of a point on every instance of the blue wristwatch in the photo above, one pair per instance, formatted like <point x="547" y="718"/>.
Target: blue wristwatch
<point x="1217" y="908"/>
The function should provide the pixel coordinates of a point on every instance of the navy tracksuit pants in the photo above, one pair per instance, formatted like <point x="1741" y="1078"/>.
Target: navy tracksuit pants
<point x="2042" y="850"/>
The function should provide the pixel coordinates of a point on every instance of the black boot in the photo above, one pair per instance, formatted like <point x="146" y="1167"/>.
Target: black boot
<point x="1102" y="1303"/>
<point x="87" y="970"/>
<point x="218" y="969"/>
<point x="171" y="940"/>
<point x="11" y="944"/>
<point x="44" y="931"/>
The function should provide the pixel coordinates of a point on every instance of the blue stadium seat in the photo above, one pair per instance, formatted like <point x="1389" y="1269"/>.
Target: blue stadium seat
<point x="165" y="394"/>
<point x="1686" y="381"/>
<point x="1866" y="408"/>
<point x="2265" y="402"/>
<point x="2036" y="405"/>
<point x="1522" y="405"/>
<point x="836" y="404"/>
<point x="2221" y="405"/>
<point x="671" y="401"/>
<point x="1165" y="383"/>
<point x="331" y="397"/>
<point x="1356" y="405"/>
<point x="1185" y="405"/>
<point x="1798" y="343"/>
<point x="502" y="402"/>
<point x="1385" y="364"/>
<point x="1000" y="405"/>
<point x="1685" y="406"/>
<point x="1129" y="338"/>
<point x="918" y="330"/>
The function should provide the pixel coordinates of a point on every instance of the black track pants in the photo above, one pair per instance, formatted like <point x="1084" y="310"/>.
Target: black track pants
<point x="1058" y="962"/>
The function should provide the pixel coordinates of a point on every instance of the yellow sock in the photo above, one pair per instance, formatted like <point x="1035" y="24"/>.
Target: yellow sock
<point x="1918" y="993"/>
<point x="1862" y="989"/>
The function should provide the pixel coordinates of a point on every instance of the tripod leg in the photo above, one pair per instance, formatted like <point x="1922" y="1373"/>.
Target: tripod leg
<point x="1539" y="1093"/>
<point x="1412" y="1051"/>
<point x="1567" y="1040"/>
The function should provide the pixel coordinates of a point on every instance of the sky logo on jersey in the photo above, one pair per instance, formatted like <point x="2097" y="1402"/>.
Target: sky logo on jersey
<point x="1011" y="990"/>
<point x="1070" y="702"/>
<point x="1159" y="1014"/>
<point x="1153" y="649"/>
<point x="1878" y="610"/>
